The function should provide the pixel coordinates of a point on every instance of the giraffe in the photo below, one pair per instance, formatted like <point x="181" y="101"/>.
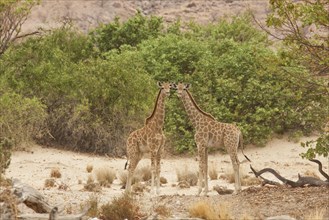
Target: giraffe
<point x="209" y="132"/>
<point x="149" y="138"/>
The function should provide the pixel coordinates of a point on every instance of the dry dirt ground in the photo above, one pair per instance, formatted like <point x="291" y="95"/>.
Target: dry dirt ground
<point x="254" y="202"/>
<point x="34" y="166"/>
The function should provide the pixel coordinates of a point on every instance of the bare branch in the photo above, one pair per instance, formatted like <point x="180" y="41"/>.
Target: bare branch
<point x="302" y="181"/>
<point x="12" y="17"/>
<point x="28" y="34"/>
<point x="320" y="168"/>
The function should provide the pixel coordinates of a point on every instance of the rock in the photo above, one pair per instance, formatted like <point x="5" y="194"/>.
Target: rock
<point x="222" y="190"/>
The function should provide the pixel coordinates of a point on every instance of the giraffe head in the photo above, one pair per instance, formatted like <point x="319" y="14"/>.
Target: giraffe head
<point x="180" y="87"/>
<point x="164" y="87"/>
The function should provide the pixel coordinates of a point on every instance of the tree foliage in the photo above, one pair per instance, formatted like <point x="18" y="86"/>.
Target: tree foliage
<point x="303" y="25"/>
<point x="21" y="118"/>
<point x="91" y="102"/>
<point x="134" y="31"/>
<point x="237" y="78"/>
<point x="319" y="147"/>
<point x="97" y="88"/>
<point x="13" y="14"/>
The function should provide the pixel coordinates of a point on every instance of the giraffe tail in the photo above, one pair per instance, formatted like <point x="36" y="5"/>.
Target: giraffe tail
<point x="242" y="147"/>
<point x="126" y="164"/>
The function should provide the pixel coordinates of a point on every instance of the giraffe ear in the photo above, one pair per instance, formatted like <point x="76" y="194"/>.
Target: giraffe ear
<point x="187" y="86"/>
<point x="159" y="84"/>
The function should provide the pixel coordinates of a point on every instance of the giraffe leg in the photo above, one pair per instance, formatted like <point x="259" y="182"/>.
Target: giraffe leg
<point x="135" y="158"/>
<point x="153" y="170"/>
<point x="231" y="143"/>
<point x="158" y="159"/>
<point x="232" y="150"/>
<point x="205" y="171"/>
<point x="132" y="166"/>
<point x="201" y="152"/>
<point x="236" y="168"/>
<point x="158" y="163"/>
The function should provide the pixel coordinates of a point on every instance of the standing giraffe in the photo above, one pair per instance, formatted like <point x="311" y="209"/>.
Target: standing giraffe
<point x="209" y="132"/>
<point x="149" y="138"/>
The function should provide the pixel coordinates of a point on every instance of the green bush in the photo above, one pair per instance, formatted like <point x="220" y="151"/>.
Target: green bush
<point x="92" y="103"/>
<point x="21" y="119"/>
<point x="236" y="77"/>
<point x="132" y="32"/>
<point x="109" y="103"/>
<point x="318" y="147"/>
<point x="97" y="88"/>
<point x="5" y="154"/>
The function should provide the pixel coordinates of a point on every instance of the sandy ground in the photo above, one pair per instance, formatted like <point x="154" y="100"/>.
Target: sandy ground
<point x="34" y="166"/>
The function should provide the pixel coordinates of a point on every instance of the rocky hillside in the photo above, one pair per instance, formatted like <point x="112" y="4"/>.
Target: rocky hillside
<point x="87" y="14"/>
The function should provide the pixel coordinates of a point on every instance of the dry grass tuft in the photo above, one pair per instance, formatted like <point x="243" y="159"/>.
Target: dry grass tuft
<point x="224" y="211"/>
<point x="91" y="186"/>
<point x="90" y="179"/>
<point x="123" y="178"/>
<point x="5" y="182"/>
<point x="311" y="174"/>
<point x="142" y="174"/>
<point x="93" y="202"/>
<point x="124" y="207"/>
<point x="138" y="187"/>
<point x="8" y="205"/>
<point x="105" y="176"/>
<point x="163" y="211"/>
<point x="318" y="214"/>
<point x="250" y="180"/>
<point x="89" y="168"/>
<point x="204" y="210"/>
<point x="213" y="173"/>
<point x="246" y="180"/>
<point x="185" y="175"/>
<point x="55" y="172"/>
<point x="50" y="183"/>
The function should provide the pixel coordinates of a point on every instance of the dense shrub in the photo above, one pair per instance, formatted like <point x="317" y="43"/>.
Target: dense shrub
<point x="132" y="32"/>
<point x="97" y="88"/>
<point x="123" y="207"/>
<point x="5" y="155"/>
<point x="236" y="77"/>
<point x="91" y="103"/>
<point x="21" y="119"/>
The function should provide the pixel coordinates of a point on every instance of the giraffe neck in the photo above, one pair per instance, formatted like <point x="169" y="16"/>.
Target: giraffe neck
<point x="158" y="114"/>
<point x="193" y="110"/>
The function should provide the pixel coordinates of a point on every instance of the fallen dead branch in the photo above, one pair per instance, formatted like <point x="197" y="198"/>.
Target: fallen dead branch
<point x="30" y="197"/>
<point x="33" y="199"/>
<point x="302" y="180"/>
<point x="53" y="215"/>
<point x="320" y="169"/>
